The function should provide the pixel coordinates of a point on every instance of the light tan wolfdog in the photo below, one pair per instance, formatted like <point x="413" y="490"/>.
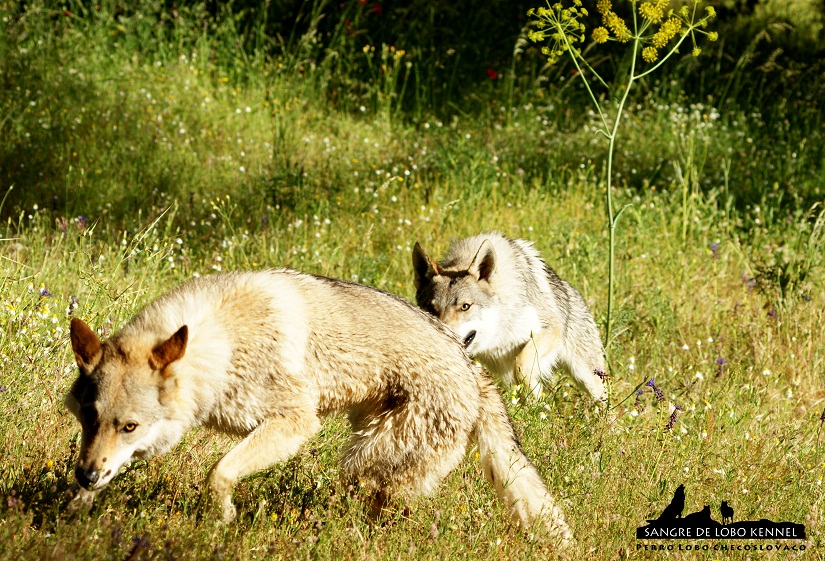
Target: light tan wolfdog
<point x="266" y="355"/>
<point x="513" y="312"/>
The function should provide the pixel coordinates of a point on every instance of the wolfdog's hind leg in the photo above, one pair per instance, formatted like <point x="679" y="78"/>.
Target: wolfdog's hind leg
<point x="405" y="453"/>
<point x="273" y="441"/>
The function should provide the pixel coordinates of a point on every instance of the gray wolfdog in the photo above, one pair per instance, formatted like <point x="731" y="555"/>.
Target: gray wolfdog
<point x="266" y="355"/>
<point x="512" y="311"/>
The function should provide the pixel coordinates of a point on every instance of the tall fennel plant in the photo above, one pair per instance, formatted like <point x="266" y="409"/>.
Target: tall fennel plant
<point x="655" y="28"/>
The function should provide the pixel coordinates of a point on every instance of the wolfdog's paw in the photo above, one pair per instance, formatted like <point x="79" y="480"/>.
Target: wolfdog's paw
<point x="82" y="500"/>
<point x="228" y="510"/>
<point x="561" y="533"/>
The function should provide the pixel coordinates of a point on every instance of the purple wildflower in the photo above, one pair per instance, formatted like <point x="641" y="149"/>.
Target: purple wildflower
<point x="82" y="220"/>
<point x="141" y="544"/>
<point x="62" y="224"/>
<point x="660" y="396"/>
<point x="600" y="373"/>
<point x="772" y="313"/>
<point x="721" y="362"/>
<point x="45" y="293"/>
<point x="672" y="421"/>
<point x="714" y="247"/>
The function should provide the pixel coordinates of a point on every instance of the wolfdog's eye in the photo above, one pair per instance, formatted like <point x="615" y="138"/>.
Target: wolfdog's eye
<point x="129" y="427"/>
<point x="465" y="306"/>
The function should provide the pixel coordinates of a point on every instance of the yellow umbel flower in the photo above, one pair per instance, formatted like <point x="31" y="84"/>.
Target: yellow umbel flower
<point x="600" y="35"/>
<point x="560" y="26"/>
<point x="650" y="54"/>
<point x="667" y="32"/>
<point x="713" y="36"/>
<point x="651" y="12"/>
<point x="617" y="26"/>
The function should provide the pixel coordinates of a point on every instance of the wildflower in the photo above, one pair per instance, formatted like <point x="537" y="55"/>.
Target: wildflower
<point x="617" y="26"/>
<point x="141" y="544"/>
<point x="650" y="54"/>
<point x="559" y="25"/>
<point x="713" y="36"/>
<point x="672" y="421"/>
<point x="62" y="224"/>
<point x="45" y="293"/>
<point x="660" y="396"/>
<point x="73" y="303"/>
<point x="721" y="362"/>
<point x="651" y="11"/>
<point x="696" y="51"/>
<point x="82" y="220"/>
<point x="492" y="74"/>
<point x="600" y="35"/>
<point x="666" y="32"/>
<point x="600" y="373"/>
<point x="714" y="247"/>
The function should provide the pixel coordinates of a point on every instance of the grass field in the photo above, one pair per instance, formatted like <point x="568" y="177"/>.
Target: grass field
<point x="132" y="169"/>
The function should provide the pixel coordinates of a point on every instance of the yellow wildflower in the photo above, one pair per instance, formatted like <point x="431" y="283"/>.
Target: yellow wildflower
<point x="667" y="32"/>
<point x="650" y="54"/>
<point x="713" y="36"/>
<point x="617" y="26"/>
<point x="600" y="35"/>
<point x="651" y="12"/>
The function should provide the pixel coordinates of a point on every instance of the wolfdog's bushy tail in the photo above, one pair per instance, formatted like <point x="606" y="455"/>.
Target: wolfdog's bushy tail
<point x="518" y="485"/>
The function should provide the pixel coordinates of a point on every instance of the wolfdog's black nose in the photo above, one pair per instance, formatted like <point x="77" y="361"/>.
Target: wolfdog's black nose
<point x="469" y="338"/>
<point x="86" y="478"/>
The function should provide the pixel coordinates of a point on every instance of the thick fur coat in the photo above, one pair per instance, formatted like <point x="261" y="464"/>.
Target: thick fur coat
<point x="267" y="355"/>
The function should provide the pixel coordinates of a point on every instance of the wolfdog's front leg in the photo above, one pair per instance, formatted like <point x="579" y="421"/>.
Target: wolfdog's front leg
<point x="534" y="362"/>
<point x="273" y="441"/>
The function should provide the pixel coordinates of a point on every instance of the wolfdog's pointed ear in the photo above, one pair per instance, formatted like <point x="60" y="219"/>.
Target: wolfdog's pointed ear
<point x="170" y="350"/>
<point x="425" y="268"/>
<point x="484" y="263"/>
<point x="85" y="344"/>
